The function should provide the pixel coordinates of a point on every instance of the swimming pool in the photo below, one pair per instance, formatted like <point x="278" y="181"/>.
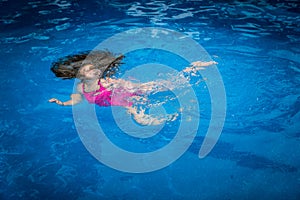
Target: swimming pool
<point x="256" y="44"/>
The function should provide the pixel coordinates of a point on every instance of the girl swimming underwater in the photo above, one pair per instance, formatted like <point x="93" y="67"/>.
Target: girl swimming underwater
<point x="95" y="70"/>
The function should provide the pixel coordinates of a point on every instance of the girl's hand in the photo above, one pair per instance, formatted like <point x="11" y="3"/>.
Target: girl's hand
<point x="198" y="65"/>
<point x="54" y="100"/>
<point x="203" y="64"/>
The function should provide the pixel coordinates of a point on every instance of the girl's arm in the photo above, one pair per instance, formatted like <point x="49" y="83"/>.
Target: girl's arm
<point x="75" y="99"/>
<point x="152" y="85"/>
<point x="198" y="65"/>
<point x="148" y="86"/>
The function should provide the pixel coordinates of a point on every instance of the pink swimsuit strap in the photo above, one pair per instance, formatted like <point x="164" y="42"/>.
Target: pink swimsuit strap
<point x="103" y="96"/>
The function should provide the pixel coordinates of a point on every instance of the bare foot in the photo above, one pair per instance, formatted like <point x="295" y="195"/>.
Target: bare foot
<point x="145" y="119"/>
<point x="172" y="117"/>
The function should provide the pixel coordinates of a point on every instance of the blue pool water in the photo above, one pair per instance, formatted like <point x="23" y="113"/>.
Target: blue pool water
<point x="257" y="46"/>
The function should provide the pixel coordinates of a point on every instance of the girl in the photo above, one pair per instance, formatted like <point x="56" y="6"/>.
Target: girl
<point x="95" y="70"/>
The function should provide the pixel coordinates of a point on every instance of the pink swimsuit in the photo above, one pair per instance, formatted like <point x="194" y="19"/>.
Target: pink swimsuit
<point x="104" y="97"/>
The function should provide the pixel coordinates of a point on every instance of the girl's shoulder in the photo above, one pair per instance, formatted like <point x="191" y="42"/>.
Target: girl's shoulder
<point x="80" y="88"/>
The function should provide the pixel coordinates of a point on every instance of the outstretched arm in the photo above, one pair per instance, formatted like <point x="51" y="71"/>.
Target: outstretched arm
<point x="161" y="85"/>
<point x="128" y="85"/>
<point x="75" y="99"/>
<point x="198" y="65"/>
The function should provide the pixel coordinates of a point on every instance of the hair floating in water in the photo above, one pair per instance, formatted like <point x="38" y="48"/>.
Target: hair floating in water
<point x="68" y="66"/>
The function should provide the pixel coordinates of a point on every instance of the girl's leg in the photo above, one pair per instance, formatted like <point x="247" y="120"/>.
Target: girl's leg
<point x="145" y="119"/>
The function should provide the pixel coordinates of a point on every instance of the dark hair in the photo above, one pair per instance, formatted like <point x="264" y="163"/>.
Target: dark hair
<point x="67" y="67"/>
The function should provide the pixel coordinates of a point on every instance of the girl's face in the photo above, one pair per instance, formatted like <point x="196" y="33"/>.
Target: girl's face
<point x="90" y="72"/>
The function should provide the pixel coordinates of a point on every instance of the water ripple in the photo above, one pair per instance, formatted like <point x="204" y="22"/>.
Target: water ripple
<point x="251" y="19"/>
